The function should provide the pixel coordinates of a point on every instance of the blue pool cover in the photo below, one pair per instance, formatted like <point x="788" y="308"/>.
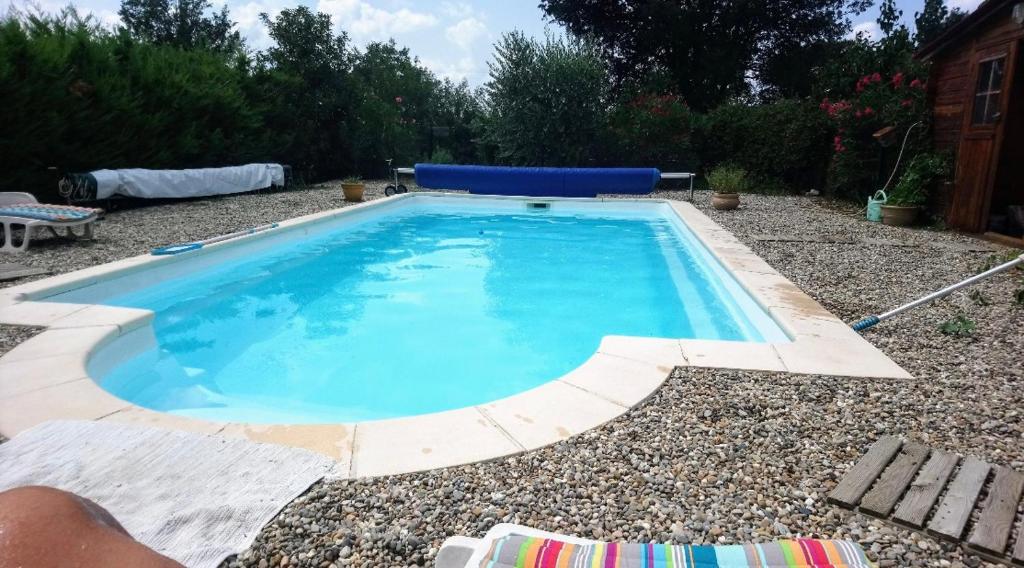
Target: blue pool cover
<point x="537" y="182"/>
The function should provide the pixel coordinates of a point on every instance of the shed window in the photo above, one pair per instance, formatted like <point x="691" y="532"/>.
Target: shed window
<point x="986" y="97"/>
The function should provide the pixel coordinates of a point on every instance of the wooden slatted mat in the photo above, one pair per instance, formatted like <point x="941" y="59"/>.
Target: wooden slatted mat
<point x="937" y="492"/>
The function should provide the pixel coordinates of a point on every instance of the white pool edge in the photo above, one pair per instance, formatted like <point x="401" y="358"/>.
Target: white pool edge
<point x="45" y="377"/>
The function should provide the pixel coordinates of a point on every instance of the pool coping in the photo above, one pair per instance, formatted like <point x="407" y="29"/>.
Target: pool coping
<point x="46" y="377"/>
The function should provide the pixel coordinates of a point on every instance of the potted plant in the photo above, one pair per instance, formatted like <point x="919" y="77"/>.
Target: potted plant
<point x="727" y="182"/>
<point x="911" y="191"/>
<point x="353" y="188"/>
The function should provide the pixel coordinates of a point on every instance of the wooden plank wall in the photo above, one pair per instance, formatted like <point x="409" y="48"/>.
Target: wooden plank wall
<point x="951" y="95"/>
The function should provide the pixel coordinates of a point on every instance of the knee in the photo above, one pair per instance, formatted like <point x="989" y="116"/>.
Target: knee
<point x="43" y="526"/>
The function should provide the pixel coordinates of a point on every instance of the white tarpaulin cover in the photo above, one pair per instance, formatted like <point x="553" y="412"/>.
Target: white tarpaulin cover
<point x="187" y="183"/>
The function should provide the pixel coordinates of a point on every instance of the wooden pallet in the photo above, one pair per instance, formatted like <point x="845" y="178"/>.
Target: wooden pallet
<point x="915" y="487"/>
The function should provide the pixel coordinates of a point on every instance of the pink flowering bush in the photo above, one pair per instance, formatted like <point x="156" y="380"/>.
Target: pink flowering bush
<point x="653" y="130"/>
<point x="877" y="101"/>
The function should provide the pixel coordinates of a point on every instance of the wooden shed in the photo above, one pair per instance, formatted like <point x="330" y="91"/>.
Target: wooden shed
<point x="976" y="90"/>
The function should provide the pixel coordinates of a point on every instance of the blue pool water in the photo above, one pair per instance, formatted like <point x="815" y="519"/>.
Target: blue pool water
<point x="422" y="309"/>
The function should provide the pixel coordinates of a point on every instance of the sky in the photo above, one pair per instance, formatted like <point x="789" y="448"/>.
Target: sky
<point x="453" y="38"/>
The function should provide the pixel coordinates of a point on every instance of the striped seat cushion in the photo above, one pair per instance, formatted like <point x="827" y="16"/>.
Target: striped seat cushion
<point x="44" y="212"/>
<point x="530" y="552"/>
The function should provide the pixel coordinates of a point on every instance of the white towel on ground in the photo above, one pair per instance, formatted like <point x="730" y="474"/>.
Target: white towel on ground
<point x="196" y="498"/>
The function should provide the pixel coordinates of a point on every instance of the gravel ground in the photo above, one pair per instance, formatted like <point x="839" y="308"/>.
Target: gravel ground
<point x="713" y="456"/>
<point x="132" y="231"/>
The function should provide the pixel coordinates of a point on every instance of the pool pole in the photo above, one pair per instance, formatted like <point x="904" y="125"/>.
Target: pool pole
<point x="186" y="247"/>
<point x="871" y="321"/>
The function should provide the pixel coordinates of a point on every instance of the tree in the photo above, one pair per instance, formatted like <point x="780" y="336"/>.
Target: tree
<point x="547" y="101"/>
<point x="183" y="24"/>
<point x="75" y="97"/>
<point x="455" y="107"/>
<point x="933" y="19"/>
<point x="711" y="49"/>
<point x="393" y="98"/>
<point x="306" y="91"/>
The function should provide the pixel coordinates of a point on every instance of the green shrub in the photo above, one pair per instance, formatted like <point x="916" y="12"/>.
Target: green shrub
<point x="877" y="101"/>
<point x="959" y="326"/>
<point x="455" y="107"/>
<point x="653" y="131"/>
<point x="546" y="101"/>
<point x="728" y="179"/>
<point x="391" y="115"/>
<point x="784" y="145"/>
<point x="441" y="156"/>
<point x="912" y="188"/>
<point x="74" y="97"/>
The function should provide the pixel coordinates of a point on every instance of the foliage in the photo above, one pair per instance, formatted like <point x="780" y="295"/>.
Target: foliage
<point x="442" y="156"/>
<point x="912" y="187"/>
<point x="546" y="101"/>
<point x="392" y="109"/>
<point x="711" y="50"/>
<point x="728" y="178"/>
<point x="74" y="98"/>
<point x="995" y="259"/>
<point x="302" y="83"/>
<point x="877" y="101"/>
<point x="784" y="145"/>
<point x="933" y="19"/>
<point x="455" y="107"/>
<point x="857" y="58"/>
<point x="352" y="180"/>
<point x="649" y="130"/>
<point x="183" y="24"/>
<point x="959" y="326"/>
<point x="175" y="88"/>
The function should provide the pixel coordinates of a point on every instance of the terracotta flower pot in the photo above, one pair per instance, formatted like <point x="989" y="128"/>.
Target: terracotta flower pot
<point x="353" y="191"/>
<point x="899" y="216"/>
<point x="725" y="201"/>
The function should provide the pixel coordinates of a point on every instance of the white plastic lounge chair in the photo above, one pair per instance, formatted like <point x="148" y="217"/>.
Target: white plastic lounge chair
<point x="510" y="546"/>
<point x="23" y="211"/>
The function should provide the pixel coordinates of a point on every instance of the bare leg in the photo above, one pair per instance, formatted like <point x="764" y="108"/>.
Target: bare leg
<point x="45" y="527"/>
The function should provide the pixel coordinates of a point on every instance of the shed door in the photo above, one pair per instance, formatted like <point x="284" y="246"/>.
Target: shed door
<point x="981" y="136"/>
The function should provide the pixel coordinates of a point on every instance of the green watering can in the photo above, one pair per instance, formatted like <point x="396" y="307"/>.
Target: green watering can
<point x="875" y="203"/>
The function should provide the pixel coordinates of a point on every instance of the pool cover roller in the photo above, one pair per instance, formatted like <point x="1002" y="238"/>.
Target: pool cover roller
<point x="538" y="182"/>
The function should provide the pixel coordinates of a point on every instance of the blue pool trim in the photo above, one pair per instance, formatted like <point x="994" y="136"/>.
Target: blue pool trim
<point x="538" y="182"/>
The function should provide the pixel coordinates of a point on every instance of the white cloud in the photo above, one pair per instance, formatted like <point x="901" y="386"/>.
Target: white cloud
<point x="870" y="30"/>
<point x="367" y="22"/>
<point x="108" y="18"/>
<point x="455" y="70"/>
<point x="456" y="10"/>
<point x="252" y="29"/>
<point x="965" y="5"/>
<point x="465" y="32"/>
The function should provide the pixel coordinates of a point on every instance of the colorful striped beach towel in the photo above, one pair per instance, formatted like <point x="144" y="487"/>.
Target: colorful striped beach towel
<point x="43" y="212"/>
<point x="531" y="552"/>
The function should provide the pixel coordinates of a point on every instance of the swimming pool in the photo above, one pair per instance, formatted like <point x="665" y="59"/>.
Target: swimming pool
<point x="423" y="305"/>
